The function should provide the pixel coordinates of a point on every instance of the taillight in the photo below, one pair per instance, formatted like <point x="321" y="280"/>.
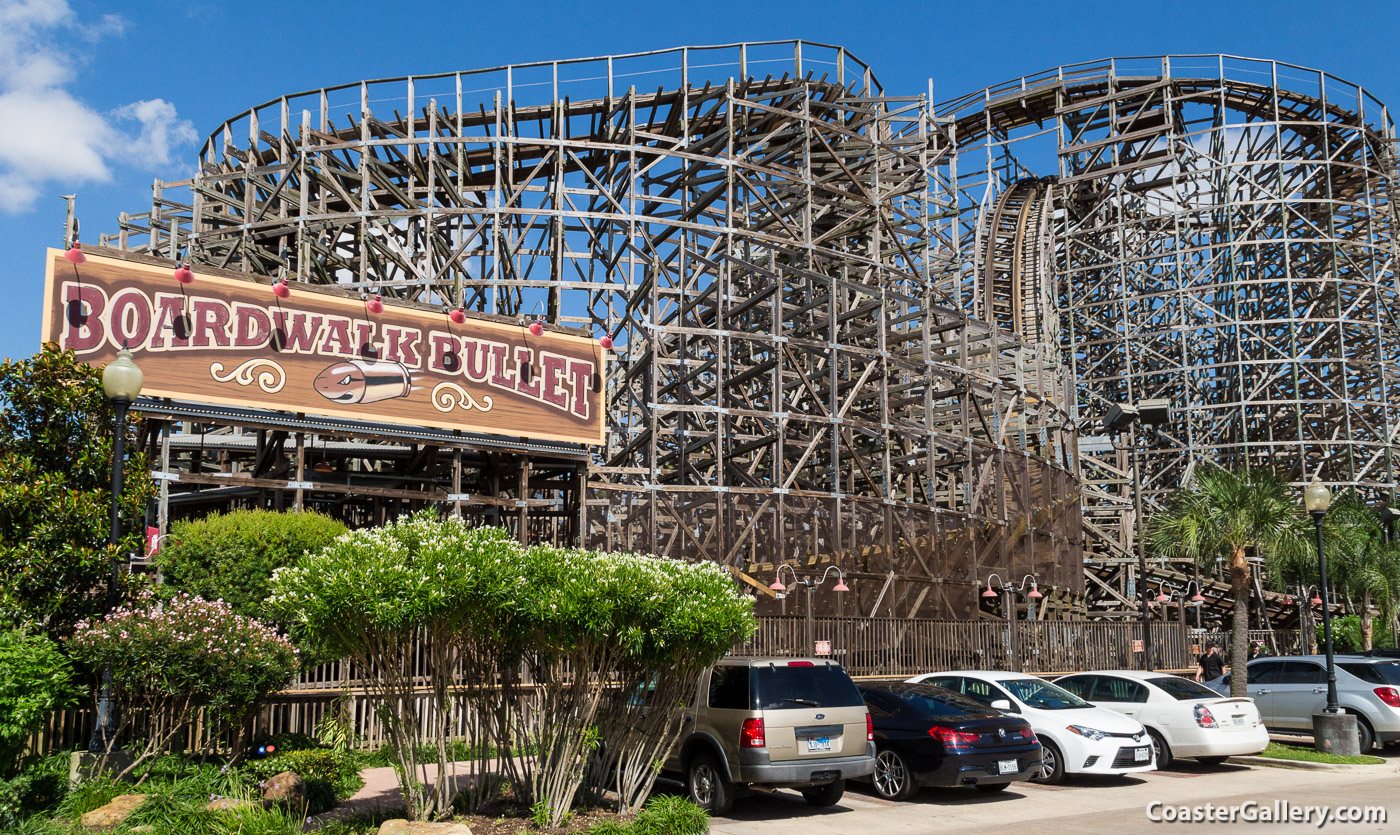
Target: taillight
<point x="869" y="728"/>
<point x="800" y="664"/>
<point x="1389" y="695"/>
<point x="751" y="735"/>
<point x="1027" y="733"/>
<point x="1204" y="717"/>
<point x="952" y="738"/>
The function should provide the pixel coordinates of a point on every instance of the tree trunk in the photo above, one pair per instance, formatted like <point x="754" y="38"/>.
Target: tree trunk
<point x="1239" y="633"/>
<point x="1367" y="627"/>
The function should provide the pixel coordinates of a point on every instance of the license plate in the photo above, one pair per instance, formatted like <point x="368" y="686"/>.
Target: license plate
<point x="1142" y="755"/>
<point x="818" y="743"/>
<point x="1007" y="767"/>
<point x="1239" y="720"/>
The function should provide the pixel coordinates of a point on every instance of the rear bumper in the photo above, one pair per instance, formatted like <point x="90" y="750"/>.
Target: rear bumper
<point x="756" y="768"/>
<point x="981" y="768"/>
<point x="1228" y="744"/>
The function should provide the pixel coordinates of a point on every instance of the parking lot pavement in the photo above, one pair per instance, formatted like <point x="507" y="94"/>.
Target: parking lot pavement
<point x="1079" y="806"/>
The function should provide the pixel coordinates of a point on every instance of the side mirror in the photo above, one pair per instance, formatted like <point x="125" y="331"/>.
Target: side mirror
<point x="1002" y="704"/>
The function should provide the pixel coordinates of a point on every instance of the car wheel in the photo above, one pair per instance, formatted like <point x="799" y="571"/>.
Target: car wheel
<point x="1052" y="764"/>
<point x="1211" y="760"/>
<point x="1161" y="751"/>
<point x="1365" y="737"/>
<point x="892" y="778"/>
<point x="992" y="788"/>
<point x="827" y="795"/>
<point x="708" y="784"/>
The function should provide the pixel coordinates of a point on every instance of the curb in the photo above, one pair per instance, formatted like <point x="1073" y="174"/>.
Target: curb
<point x="1304" y="765"/>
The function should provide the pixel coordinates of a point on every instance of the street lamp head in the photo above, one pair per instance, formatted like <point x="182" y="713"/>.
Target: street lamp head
<point x="989" y="592"/>
<point x="1317" y="498"/>
<point x="841" y="585"/>
<point x="1162" y="597"/>
<point x="777" y="585"/>
<point x="1035" y="592"/>
<point x="121" y="379"/>
<point x="1316" y="599"/>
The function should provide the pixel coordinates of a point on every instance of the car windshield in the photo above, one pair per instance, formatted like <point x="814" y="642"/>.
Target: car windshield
<point x="1042" y="694"/>
<point x="1183" y="689"/>
<point x="819" y="685"/>
<point x="935" y="701"/>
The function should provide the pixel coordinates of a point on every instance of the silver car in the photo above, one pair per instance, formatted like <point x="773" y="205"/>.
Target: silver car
<point x="1289" y="689"/>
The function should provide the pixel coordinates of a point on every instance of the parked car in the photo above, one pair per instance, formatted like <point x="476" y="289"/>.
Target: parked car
<point x="1078" y="737"/>
<point x="1183" y="718"/>
<point x="1289" y="689"/>
<point x="928" y="736"/>
<point x="774" y="723"/>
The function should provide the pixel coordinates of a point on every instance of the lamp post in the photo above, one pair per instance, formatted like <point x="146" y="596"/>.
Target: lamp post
<point x="839" y="588"/>
<point x="121" y="382"/>
<point x="1333" y="731"/>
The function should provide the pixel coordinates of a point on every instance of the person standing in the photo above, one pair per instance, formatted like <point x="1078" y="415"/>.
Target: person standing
<point x="1211" y="665"/>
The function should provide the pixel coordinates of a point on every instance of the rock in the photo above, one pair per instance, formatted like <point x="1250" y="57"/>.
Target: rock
<point x="114" y="814"/>
<point x="286" y="788"/>
<point x="231" y="804"/>
<point x="399" y="826"/>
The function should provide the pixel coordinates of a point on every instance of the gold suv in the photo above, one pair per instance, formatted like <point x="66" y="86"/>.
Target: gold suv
<point x="768" y="723"/>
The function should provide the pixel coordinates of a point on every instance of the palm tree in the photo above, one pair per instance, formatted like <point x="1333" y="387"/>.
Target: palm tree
<point x="1226" y="514"/>
<point x="1364" y="566"/>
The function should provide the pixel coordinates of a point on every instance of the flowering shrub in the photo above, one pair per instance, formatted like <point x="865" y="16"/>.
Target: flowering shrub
<point x="169" y="659"/>
<point x="581" y="622"/>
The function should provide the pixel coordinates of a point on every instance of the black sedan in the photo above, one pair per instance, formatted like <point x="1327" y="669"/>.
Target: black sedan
<point x="928" y="736"/>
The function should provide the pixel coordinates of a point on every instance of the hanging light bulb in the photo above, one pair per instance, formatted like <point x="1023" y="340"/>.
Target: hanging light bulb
<point x="536" y="327"/>
<point x="458" y="315"/>
<point x="375" y="304"/>
<point x="75" y="254"/>
<point x="281" y="290"/>
<point x="606" y="342"/>
<point x="183" y="274"/>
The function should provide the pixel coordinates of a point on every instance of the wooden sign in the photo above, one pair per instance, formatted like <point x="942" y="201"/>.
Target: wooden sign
<point x="231" y="341"/>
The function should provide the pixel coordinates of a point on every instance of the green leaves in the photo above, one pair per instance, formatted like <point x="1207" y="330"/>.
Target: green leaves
<point x="35" y="680"/>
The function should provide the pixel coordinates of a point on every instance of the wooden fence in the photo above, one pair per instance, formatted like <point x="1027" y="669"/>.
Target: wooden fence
<point x="866" y="647"/>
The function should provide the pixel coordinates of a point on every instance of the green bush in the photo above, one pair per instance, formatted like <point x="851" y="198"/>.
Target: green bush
<point x="1346" y="633"/>
<point x="668" y="814"/>
<point x="35" y="680"/>
<point x="232" y="556"/>
<point x="320" y="764"/>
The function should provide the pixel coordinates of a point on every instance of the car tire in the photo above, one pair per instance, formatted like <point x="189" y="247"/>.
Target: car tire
<point x="1211" y="760"/>
<point x="827" y="795"/>
<point x="893" y="779"/>
<point x="992" y="788"/>
<point x="708" y="785"/>
<point x="1365" y="736"/>
<point x="1161" y="751"/>
<point x="1052" y="765"/>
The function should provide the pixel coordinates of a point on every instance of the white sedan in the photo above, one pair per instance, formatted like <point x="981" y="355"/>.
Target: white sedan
<point x="1184" y="719"/>
<point x="1077" y="737"/>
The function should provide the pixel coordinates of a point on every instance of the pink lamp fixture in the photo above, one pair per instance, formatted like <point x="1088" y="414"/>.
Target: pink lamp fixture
<point x="281" y="290"/>
<point x="989" y="592"/>
<point x="536" y="328"/>
<point x="183" y="274"/>
<point x="75" y="254"/>
<point x="840" y="585"/>
<point x="458" y="315"/>
<point x="375" y="304"/>
<point x="606" y="342"/>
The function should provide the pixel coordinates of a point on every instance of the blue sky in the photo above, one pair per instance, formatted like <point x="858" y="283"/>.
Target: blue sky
<point x="100" y="98"/>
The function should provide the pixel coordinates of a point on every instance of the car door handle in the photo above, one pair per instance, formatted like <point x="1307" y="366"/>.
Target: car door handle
<point x="1263" y="692"/>
<point x="1319" y="689"/>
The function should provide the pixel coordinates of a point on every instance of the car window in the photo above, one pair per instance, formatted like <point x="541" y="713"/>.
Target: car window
<point x="946" y="682"/>
<point x="1184" y="689"/>
<point x="937" y="702"/>
<point x="729" y="688"/>
<point x="879" y="705"/>
<point x="1265" y="672"/>
<point x="1081" y="686"/>
<point x="983" y="691"/>
<point x="1302" y="672"/>
<point x="1114" y="689"/>
<point x="818" y="685"/>
<point x="1388" y="673"/>
<point x="1043" y="694"/>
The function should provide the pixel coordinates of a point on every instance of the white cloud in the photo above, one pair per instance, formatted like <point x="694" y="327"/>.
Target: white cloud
<point x="48" y="137"/>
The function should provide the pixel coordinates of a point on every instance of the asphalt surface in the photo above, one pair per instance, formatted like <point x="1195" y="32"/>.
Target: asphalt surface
<point x="1084" y="805"/>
